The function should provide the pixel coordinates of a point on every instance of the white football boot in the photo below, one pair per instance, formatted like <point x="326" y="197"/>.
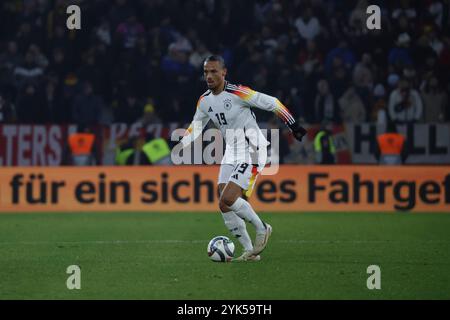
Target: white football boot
<point x="261" y="240"/>
<point x="248" y="256"/>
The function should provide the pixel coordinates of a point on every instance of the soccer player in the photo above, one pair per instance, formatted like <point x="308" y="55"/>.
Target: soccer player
<point x="229" y="106"/>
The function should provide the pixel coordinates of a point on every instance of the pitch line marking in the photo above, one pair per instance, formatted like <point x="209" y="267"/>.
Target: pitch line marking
<point x="167" y="241"/>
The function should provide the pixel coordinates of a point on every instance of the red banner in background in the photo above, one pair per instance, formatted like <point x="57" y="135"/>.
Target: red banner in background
<point x="32" y="145"/>
<point x="44" y="145"/>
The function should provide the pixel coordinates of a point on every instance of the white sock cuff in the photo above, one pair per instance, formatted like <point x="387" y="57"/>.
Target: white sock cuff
<point x="237" y="204"/>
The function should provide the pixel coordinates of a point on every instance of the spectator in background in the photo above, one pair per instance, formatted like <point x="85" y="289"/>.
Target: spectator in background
<point x="87" y="106"/>
<point x="410" y="75"/>
<point x="61" y="39"/>
<point x="56" y="17"/>
<point x="362" y="73"/>
<point x="199" y="55"/>
<point x="24" y="36"/>
<point x="128" y="152"/>
<point x="444" y="63"/>
<point x="103" y="32"/>
<point x="173" y="107"/>
<point x="130" y="109"/>
<point x="55" y="102"/>
<point x="9" y="60"/>
<point x="38" y="57"/>
<point x="269" y="42"/>
<point x="181" y="44"/>
<point x="308" y="26"/>
<point x="405" y="105"/>
<point x="140" y="151"/>
<point x="423" y="48"/>
<point x="119" y="12"/>
<point x="260" y="77"/>
<point x="7" y="111"/>
<point x="358" y="17"/>
<point x="156" y="151"/>
<point x="392" y="81"/>
<point x="391" y="148"/>
<point x="404" y="9"/>
<point x="175" y="65"/>
<point x="337" y="28"/>
<point x="352" y="107"/>
<point x="379" y="112"/>
<point x="436" y="10"/>
<point x="402" y="25"/>
<point x="59" y="64"/>
<point x="150" y="116"/>
<point x="363" y="79"/>
<point x="28" y="71"/>
<point x="311" y="59"/>
<point x="129" y="31"/>
<point x="339" y="77"/>
<point x="31" y="106"/>
<point x="433" y="40"/>
<point x="319" y="40"/>
<point x="435" y="101"/>
<point x="325" y="151"/>
<point x="93" y="72"/>
<point x="344" y="53"/>
<point x="400" y="55"/>
<point x="71" y="87"/>
<point x="326" y="108"/>
<point x="82" y="149"/>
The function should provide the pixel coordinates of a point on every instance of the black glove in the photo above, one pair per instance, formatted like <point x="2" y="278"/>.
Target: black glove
<point x="298" y="131"/>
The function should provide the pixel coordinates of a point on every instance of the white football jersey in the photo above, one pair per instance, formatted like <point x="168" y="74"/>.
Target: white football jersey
<point x="231" y="112"/>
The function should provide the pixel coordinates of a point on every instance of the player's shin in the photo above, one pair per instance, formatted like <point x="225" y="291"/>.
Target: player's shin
<point x="244" y="210"/>
<point x="238" y="229"/>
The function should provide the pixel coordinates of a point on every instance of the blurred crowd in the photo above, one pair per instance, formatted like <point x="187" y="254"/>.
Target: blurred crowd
<point x="141" y="60"/>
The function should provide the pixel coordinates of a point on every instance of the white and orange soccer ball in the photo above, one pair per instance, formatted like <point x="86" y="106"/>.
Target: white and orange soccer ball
<point x="221" y="249"/>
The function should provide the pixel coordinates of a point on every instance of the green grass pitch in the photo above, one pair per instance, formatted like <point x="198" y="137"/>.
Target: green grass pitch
<point x="163" y="256"/>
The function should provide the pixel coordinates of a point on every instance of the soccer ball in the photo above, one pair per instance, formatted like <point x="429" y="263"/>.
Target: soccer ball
<point x="221" y="249"/>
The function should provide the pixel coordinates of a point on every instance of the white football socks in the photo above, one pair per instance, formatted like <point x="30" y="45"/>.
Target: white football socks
<point x="244" y="210"/>
<point x="238" y="229"/>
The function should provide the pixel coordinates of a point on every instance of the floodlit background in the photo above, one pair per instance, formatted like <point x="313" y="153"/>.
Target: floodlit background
<point x="133" y="74"/>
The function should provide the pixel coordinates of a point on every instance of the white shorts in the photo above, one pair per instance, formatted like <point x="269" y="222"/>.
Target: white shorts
<point x="243" y="174"/>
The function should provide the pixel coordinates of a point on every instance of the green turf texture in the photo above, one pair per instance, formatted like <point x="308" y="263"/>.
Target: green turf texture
<point x="163" y="256"/>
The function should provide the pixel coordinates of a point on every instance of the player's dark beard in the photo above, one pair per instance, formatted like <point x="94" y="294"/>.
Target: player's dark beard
<point x="220" y="86"/>
<point x="215" y="86"/>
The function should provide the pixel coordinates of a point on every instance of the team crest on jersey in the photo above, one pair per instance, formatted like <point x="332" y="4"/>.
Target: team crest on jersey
<point x="227" y="104"/>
